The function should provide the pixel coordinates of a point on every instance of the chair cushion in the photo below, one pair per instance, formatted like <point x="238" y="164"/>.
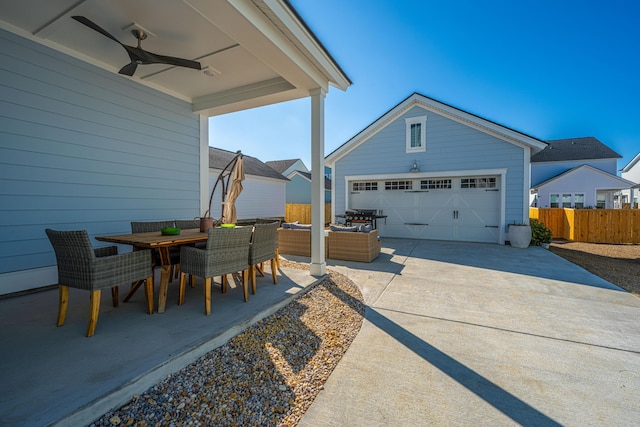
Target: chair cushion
<point x="288" y="224"/>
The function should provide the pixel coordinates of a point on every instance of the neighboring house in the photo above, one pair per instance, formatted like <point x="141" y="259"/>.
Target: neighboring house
<point x="631" y="172"/>
<point x="285" y="167"/>
<point x="299" y="187"/>
<point x="436" y="172"/>
<point x="84" y="147"/>
<point x="575" y="173"/>
<point x="263" y="189"/>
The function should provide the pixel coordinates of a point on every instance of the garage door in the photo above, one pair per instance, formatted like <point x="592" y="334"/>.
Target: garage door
<point x="456" y="208"/>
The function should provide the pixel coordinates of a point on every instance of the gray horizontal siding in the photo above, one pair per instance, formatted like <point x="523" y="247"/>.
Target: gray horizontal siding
<point x="82" y="148"/>
<point x="450" y="146"/>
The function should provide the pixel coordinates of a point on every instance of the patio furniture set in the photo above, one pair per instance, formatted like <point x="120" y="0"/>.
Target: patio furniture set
<point x="215" y="252"/>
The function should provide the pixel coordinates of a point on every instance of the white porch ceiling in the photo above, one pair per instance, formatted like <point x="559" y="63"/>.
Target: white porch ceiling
<point x="259" y="51"/>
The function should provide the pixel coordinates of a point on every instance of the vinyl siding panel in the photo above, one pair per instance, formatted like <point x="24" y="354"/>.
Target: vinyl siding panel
<point x="260" y="197"/>
<point x="451" y="146"/>
<point x="82" y="148"/>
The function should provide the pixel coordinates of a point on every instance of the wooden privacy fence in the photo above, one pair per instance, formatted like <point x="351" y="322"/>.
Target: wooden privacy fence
<point x="302" y="213"/>
<point x="614" y="226"/>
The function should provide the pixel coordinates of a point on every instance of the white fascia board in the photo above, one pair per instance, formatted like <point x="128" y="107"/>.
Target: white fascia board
<point x="631" y="164"/>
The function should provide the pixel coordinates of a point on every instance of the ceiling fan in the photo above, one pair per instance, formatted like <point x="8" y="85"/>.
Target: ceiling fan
<point x="137" y="55"/>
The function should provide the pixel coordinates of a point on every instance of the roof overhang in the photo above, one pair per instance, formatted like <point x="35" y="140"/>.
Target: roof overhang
<point x="256" y="52"/>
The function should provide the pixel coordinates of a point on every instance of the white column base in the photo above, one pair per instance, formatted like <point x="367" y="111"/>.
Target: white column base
<point x="318" y="268"/>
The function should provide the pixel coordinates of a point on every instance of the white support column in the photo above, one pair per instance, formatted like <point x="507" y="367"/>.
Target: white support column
<point x="204" y="164"/>
<point x="318" y="265"/>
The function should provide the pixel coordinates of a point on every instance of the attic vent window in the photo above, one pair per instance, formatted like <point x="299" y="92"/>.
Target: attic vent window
<point x="416" y="134"/>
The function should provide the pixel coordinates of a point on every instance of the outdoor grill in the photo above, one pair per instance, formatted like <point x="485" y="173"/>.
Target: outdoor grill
<point x="362" y="216"/>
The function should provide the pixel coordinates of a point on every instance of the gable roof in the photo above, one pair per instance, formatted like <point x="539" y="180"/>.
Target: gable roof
<point x="631" y="164"/>
<point x="623" y="182"/>
<point x="487" y="126"/>
<point x="584" y="148"/>
<point x="219" y="158"/>
<point x="281" y="165"/>
<point x="307" y="176"/>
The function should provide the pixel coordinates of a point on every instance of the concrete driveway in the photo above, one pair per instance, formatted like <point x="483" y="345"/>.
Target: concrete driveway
<point x="476" y="334"/>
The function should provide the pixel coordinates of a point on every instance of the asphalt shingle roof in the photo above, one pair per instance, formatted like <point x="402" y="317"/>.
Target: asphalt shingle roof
<point x="585" y="148"/>
<point x="327" y="181"/>
<point x="219" y="158"/>
<point x="281" y="165"/>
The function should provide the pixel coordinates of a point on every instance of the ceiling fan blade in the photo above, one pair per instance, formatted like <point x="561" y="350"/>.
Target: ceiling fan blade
<point x="129" y="69"/>
<point x="141" y="56"/>
<point x="179" y="62"/>
<point x="95" y="27"/>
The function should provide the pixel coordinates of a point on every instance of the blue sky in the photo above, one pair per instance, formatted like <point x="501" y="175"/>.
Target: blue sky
<point x="551" y="69"/>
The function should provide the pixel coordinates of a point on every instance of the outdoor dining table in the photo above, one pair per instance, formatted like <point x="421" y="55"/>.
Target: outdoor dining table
<point x="161" y="242"/>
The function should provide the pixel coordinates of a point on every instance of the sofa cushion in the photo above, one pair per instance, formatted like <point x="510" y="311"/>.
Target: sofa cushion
<point x="343" y="228"/>
<point x="365" y="228"/>
<point x="296" y="226"/>
<point x="288" y="224"/>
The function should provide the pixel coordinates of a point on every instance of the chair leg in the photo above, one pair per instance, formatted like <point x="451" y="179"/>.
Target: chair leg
<point x="183" y="280"/>
<point x="94" y="308"/>
<point x="252" y="278"/>
<point x="148" y="292"/>
<point x="207" y="295"/>
<point x="223" y="283"/>
<point x="114" y="295"/>
<point x="274" y="271"/>
<point x="192" y="281"/>
<point x="63" y="303"/>
<point x="245" y="285"/>
<point x="278" y="258"/>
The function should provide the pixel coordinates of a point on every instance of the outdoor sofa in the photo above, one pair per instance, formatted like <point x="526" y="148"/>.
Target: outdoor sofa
<point x="342" y="243"/>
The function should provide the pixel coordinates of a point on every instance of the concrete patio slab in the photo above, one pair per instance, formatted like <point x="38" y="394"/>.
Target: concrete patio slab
<point x="474" y="334"/>
<point x="56" y="376"/>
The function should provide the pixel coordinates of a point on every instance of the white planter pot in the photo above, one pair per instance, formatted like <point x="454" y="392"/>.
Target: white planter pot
<point x="520" y="235"/>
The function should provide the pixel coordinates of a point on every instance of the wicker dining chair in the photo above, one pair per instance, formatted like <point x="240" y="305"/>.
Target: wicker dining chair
<point x="264" y="246"/>
<point x="83" y="267"/>
<point x="269" y="221"/>
<point x="227" y="252"/>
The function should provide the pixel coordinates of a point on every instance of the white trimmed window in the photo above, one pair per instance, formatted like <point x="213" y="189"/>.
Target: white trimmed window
<point x="416" y="134"/>
<point x="365" y="186"/>
<point x="554" y="200"/>
<point x="578" y="201"/>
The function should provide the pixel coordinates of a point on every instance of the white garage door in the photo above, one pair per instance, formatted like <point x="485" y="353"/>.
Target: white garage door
<point x="457" y="208"/>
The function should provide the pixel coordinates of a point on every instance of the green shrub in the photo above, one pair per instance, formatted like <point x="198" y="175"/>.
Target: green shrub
<point x="539" y="233"/>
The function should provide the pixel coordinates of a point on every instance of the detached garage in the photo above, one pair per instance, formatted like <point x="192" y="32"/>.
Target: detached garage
<point x="435" y="172"/>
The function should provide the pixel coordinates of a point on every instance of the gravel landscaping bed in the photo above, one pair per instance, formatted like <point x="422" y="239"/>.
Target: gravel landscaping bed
<point x="266" y="376"/>
<point x="618" y="264"/>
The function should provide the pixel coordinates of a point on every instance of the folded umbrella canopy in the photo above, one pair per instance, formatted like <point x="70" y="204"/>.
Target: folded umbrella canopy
<point x="229" y="210"/>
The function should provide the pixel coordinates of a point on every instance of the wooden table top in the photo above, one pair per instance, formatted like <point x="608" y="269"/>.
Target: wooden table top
<point x="155" y="239"/>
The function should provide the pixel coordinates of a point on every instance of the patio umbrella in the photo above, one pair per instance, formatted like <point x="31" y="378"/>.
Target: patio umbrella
<point x="229" y="212"/>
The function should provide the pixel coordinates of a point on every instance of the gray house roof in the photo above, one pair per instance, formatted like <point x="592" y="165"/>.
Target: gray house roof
<point x="585" y="148"/>
<point x="327" y="181"/>
<point x="219" y="158"/>
<point x="281" y="165"/>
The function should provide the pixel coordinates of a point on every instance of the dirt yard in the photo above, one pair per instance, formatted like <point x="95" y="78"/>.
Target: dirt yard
<point x="618" y="264"/>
